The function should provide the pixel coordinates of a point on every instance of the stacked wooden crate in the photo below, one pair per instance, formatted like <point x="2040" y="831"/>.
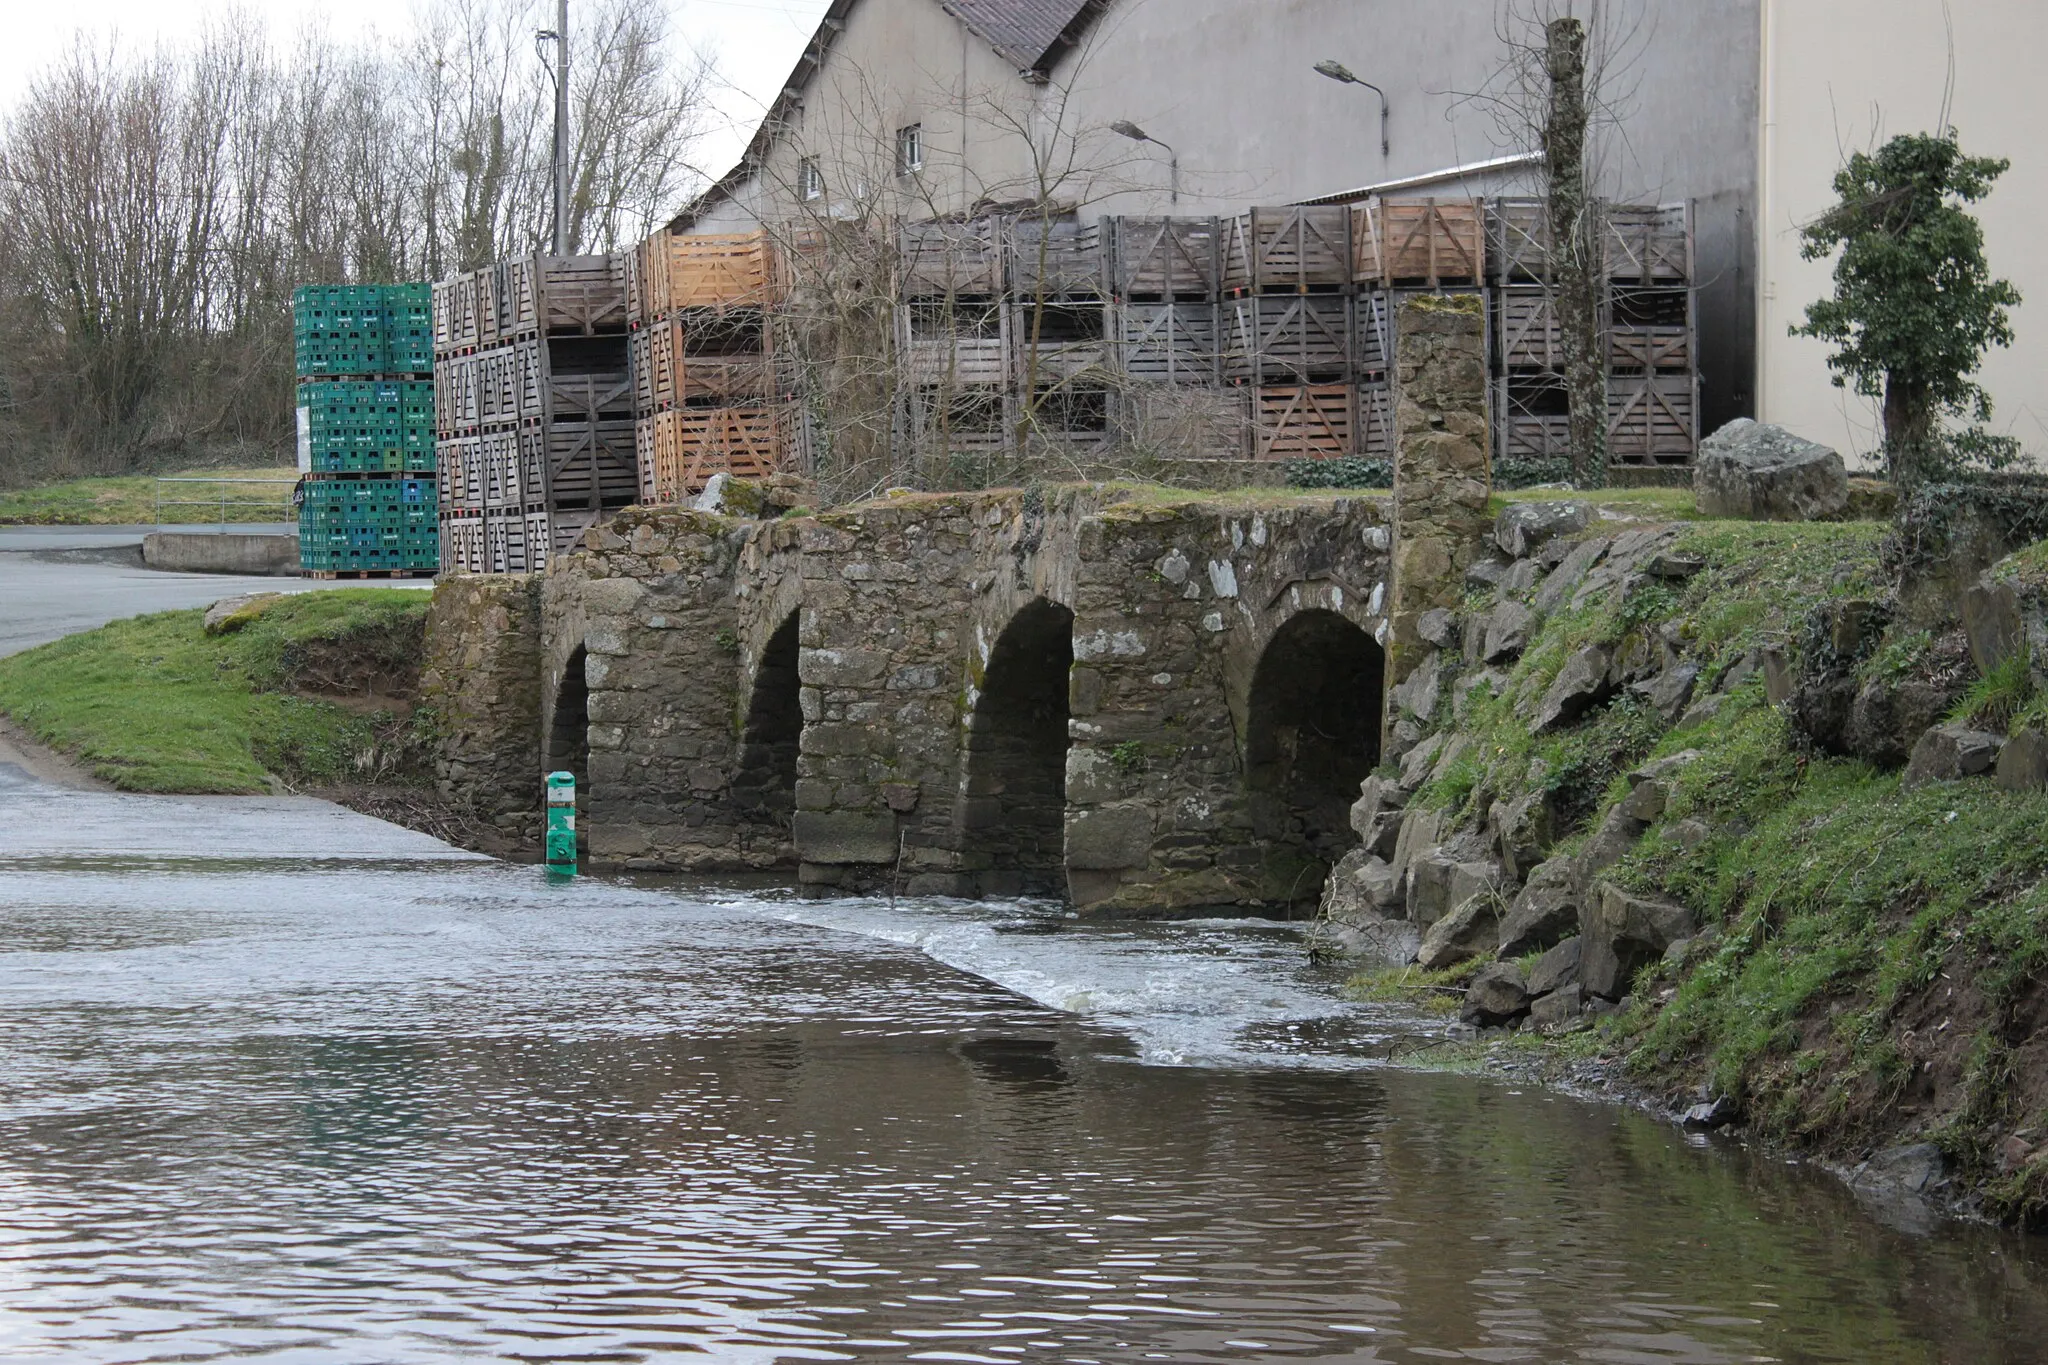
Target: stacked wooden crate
<point x="707" y="397"/>
<point x="1058" y="318"/>
<point x="1166" y="288"/>
<point x="1646" y="320"/>
<point x="1404" y="247"/>
<point x="1288" y="320"/>
<point x="953" y="337"/>
<point x="534" y="408"/>
<point x="366" y="422"/>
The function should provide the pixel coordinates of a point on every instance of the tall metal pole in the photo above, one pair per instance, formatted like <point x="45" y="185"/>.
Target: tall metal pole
<point x="561" y="127"/>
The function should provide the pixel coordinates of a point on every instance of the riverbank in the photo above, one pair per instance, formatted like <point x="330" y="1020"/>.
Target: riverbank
<point x="312" y="693"/>
<point x="1698" y="811"/>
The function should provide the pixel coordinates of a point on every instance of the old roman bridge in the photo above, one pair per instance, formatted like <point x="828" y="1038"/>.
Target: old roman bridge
<point x="1149" y="702"/>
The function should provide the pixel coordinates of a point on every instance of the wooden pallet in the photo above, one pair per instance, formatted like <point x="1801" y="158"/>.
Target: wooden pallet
<point x="1304" y="422"/>
<point x="954" y="341"/>
<point x="725" y="380"/>
<point x="950" y="259"/>
<point x="1531" y="419"/>
<point x="455" y="323"/>
<point x="1375" y="434"/>
<point x="1299" y="337"/>
<point x="1427" y="242"/>
<point x="715" y="271"/>
<point x="1053" y="260"/>
<point x="1062" y="340"/>
<point x="692" y="444"/>
<point x="949" y="419"/>
<point x="1648" y="245"/>
<point x="1169" y="342"/>
<point x="1185" y="423"/>
<point x="606" y="396"/>
<point x="1299" y="249"/>
<point x="591" y="464"/>
<point x="1166" y="258"/>
<point x="1372" y="345"/>
<point x="579" y="295"/>
<point x="1527" y="335"/>
<point x="1652" y="419"/>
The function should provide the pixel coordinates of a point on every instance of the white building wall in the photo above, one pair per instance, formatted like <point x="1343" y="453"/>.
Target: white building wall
<point x="1842" y="75"/>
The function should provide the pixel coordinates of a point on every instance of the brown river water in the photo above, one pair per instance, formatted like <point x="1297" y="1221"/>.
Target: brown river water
<point x="278" y="1083"/>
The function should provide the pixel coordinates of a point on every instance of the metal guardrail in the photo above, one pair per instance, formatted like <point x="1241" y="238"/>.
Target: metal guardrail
<point x="228" y="498"/>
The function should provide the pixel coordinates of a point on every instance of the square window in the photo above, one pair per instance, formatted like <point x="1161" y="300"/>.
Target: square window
<point x="810" y="180"/>
<point x="910" y="149"/>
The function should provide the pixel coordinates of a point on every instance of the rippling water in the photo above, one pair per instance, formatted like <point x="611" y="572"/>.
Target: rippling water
<point x="283" y="1084"/>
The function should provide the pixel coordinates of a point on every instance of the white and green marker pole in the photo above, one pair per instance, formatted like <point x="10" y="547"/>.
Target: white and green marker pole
<point x="562" y="824"/>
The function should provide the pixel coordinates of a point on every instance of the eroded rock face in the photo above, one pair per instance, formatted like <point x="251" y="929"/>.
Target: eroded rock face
<point x="1765" y="473"/>
<point x="2023" y="762"/>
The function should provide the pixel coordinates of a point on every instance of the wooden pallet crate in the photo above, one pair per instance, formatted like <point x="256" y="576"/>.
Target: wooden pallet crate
<point x="1375" y="434"/>
<point x="692" y="444"/>
<point x="1059" y="340"/>
<point x="459" y="465"/>
<point x="1649" y="245"/>
<point x="512" y="467"/>
<point x="1517" y="240"/>
<point x="515" y="541"/>
<point x="515" y="298"/>
<point x="1191" y="423"/>
<point x="1304" y="422"/>
<point x="1531" y="418"/>
<point x="455" y="314"/>
<point x="1058" y="259"/>
<point x="1298" y="249"/>
<point x="952" y="419"/>
<point x="641" y="368"/>
<point x="462" y="542"/>
<point x="1427" y="242"/>
<point x="1069" y="414"/>
<point x="1372" y="331"/>
<point x="643" y="456"/>
<point x="591" y="464"/>
<point x="1166" y="258"/>
<point x="1651" y="328"/>
<point x="1300" y="337"/>
<point x="954" y="341"/>
<point x="1173" y="341"/>
<point x="601" y="397"/>
<point x="579" y="295"/>
<point x="950" y="259"/>
<point x="714" y="270"/>
<point x="656" y="354"/>
<point x="720" y="381"/>
<point x="487" y="316"/>
<point x="1526" y="334"/>
<point x="1652" y="419"/>
<point x="458" y="400"/>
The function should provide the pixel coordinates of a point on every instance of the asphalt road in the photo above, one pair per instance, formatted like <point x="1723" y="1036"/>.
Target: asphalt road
<point x="59" y="580"/>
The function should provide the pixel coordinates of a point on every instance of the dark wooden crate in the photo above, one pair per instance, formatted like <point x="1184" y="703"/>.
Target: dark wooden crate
<point x="579" y="295"/>
<point x="1168" y="342"/>
<point x="1288" y="250"/>
<point x="1375" y="434"/>
<point x="1372" y="347"/>
<point x="1184" y="423"/>
<point x="955" y="341"/>
<point x="1059" y="340"/>
<point x="944" y="259"/>
<point x="455" y="327"/>
<point x="1166" y="258"/>
<point x="1652" y="419"/>
<point x="1302" y="337"/>
<point x="591" y="464"/>
<point x="1531" y="419"/>
<point x="1647" y="245"/>
<point x="601" y="397"/>
<point x="1058" y="259"/>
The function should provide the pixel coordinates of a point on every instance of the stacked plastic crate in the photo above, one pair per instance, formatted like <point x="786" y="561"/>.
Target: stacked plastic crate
<point x="364" y="355"/>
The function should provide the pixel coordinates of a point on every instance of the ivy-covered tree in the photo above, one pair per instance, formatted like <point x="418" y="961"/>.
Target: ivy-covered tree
<point x="1915" y="307"/>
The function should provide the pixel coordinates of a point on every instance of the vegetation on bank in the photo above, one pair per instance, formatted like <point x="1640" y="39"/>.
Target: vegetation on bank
<point x="313" y="690"/>
<point x="131" y="500"/>
<point x="1872" y="966"/>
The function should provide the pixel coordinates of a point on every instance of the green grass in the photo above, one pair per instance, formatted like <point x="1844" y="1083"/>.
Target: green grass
<point x="130" y="500"/>
<point x="153" y="704"/>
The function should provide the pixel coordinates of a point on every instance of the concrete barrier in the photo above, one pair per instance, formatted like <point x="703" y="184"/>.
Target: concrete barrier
<point x="233" y="552"/>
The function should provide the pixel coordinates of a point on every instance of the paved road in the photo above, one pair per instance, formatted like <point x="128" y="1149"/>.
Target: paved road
<point x="30" y="538"/>
<point x="51" y="585"/>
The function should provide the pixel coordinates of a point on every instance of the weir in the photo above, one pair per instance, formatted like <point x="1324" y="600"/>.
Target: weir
<point x="1148" y="701"/>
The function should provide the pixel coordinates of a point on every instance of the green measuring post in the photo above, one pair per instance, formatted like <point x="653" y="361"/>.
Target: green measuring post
<point x="562" y="824"/>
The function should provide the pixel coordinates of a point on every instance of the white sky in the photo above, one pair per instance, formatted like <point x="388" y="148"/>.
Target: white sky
<point x="755" y="41"/>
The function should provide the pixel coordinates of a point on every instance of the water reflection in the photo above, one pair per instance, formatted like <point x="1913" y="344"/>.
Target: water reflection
<point x="338" y="1111"/>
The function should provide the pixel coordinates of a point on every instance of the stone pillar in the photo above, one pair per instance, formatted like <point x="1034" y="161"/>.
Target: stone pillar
<point x="482" y="683"/>
<point x="1443" y="473"/>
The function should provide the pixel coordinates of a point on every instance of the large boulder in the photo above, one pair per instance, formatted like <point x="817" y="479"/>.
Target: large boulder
<point x="1468" y="931"/>
<point x="1556" y="969"/>
<point x="1545" y="913"/>
<point x="1508" y="629"/>
<point x="1525" y="527"/>
<point x="1948" y="753"/>
<point x="1765" y="473"/>
<point x="1582" y="684"/>
<point x="1496" y="995"/>
<point x="1620" y="933"/>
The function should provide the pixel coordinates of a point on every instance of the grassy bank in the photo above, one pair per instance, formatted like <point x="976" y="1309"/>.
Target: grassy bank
<point x="130" y="500"/>
<point x="1872" y="963"/>
<point x="313" y="692"/>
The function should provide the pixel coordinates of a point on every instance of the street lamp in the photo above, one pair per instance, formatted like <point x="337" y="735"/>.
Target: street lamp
<point x="1341" y="74"/>
<point x="1126" y="128"/>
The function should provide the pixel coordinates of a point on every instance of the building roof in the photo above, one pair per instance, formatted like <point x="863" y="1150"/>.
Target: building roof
<point x="1032" y="34"/>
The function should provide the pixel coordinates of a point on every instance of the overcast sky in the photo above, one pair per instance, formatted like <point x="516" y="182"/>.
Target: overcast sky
<point x="756" y="41"/>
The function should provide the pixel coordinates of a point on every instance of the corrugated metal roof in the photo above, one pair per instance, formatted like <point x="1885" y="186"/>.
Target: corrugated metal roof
<point x="1022" y="31"/>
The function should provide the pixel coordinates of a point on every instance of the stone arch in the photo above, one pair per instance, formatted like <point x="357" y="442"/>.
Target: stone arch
<point x="771" y="733"/>
<point x="1312" y="735"/>
<point x="1012" y="812"/>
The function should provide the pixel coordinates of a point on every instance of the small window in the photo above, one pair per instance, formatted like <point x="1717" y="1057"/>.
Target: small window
<point x="910" y="149"/>
<point x="809" y="179"/>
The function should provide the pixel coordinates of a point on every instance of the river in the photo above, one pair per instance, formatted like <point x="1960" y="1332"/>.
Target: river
<point x="281" y="1083"/>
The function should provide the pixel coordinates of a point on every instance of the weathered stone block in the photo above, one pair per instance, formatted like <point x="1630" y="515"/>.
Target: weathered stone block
<point x="1621" y="932"/>
<point x="1765" y="473"/>
<point x="1558" y="967"/>
<point x="1496" y="995"/>
<point x="1545" y="912"/>
<point x="842" y="667"/>
<point x="1469" y="930"/>
<point x="1109" y="837"/>
<point x="1557" y="1010"/>
<point x="1948" y="753"/>
<point x="1581" y="684"/>
<point x="2023" y="762"/>
<point x="1524" y="527"/>
<point x="839" y="837"/>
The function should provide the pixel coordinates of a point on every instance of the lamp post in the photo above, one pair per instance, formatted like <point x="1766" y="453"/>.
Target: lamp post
<point x="1342" y="74"/>
<point x="1126" y="128"/>
<point x="559" y="72"/>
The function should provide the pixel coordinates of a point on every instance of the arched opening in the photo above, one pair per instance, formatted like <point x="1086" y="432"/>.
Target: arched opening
<point x="1014" y="801"/>
<point x="1313" y="735"/>
<point x="568" y="748"/>
<point x="764" y="783"/>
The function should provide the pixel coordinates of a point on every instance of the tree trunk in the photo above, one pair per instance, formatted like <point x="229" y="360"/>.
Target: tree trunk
<point x="1577" y="268"/>
<point x="1908" y="432"/>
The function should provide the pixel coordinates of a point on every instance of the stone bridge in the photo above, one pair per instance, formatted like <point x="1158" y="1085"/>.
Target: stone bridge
<point x="1146" y="701"/>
